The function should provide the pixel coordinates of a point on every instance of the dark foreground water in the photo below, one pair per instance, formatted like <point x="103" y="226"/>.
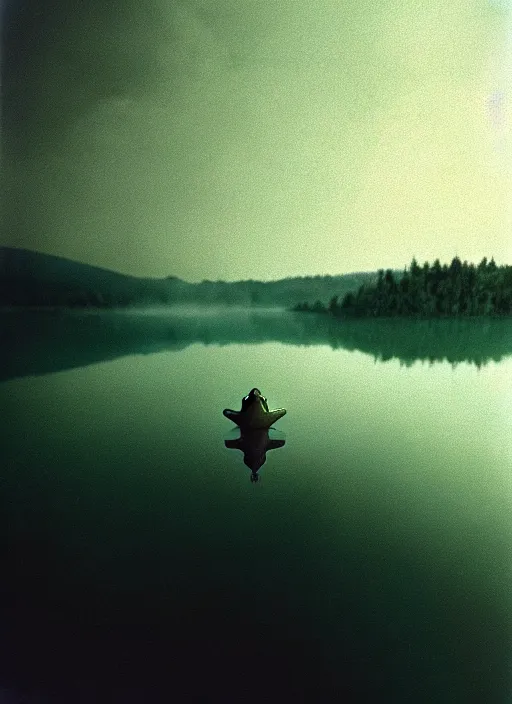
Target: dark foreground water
<point x="371" y="561"/>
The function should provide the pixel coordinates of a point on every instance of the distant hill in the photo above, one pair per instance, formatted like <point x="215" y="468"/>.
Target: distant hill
<point x="30" y="278"/>
<point x="33" y="278"/>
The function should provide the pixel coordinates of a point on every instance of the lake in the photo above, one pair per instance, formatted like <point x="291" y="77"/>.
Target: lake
<point x="370" y="561"/>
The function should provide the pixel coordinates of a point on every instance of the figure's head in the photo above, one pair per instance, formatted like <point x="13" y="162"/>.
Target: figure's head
<point x="255" y="477"/>
<point x="254" y="392"/>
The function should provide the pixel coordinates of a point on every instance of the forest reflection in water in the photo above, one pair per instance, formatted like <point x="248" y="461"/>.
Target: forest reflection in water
<point x="38" y="342"/>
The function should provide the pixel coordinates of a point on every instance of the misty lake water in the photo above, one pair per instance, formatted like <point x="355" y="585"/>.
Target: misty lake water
<point x="371" y="559"/>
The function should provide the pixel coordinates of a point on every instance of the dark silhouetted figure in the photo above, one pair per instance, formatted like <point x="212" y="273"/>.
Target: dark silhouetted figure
<point x="254" y="413"/>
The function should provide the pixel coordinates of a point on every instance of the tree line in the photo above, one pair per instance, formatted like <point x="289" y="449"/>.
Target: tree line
<point x="458" y="289"/>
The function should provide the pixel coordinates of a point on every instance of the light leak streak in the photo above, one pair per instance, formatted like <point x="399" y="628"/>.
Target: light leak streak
<point x="498" y="102"/>
<point x="498" y="106"/>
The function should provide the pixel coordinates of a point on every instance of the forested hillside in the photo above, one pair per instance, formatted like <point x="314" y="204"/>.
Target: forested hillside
<point x="436" y="290"/>
<point x="34" y="279"/>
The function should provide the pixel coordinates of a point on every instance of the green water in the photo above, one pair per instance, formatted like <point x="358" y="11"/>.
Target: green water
<point x="371" y="560"/>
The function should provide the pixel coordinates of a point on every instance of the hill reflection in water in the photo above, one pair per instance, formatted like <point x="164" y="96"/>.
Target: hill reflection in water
<point x="39" y="342"/>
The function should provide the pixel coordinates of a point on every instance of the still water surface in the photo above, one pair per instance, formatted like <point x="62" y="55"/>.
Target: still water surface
<point x="371" y="559"/>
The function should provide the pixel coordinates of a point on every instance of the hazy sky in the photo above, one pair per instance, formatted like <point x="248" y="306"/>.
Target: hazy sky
<point x="234" y="139"/>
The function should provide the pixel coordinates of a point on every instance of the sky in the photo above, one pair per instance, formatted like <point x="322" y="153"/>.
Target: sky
<point x="258" y="138"/>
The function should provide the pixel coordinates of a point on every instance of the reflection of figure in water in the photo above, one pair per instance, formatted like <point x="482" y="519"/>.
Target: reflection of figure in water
<point x="254" y="444"/>
<point x="254" y="412"/>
